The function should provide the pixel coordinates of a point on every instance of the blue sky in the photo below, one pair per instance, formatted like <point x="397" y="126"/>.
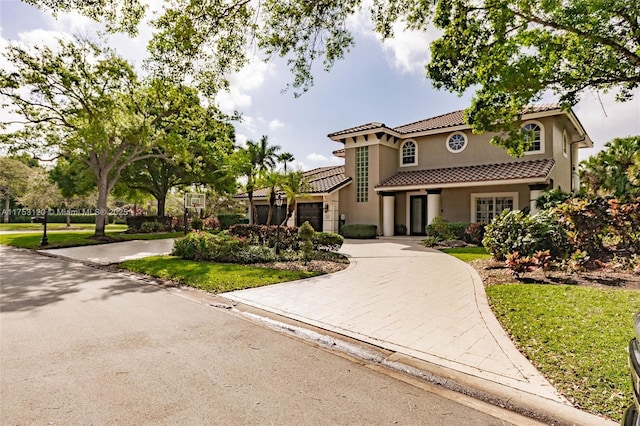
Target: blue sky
<point x="377" y="81"/>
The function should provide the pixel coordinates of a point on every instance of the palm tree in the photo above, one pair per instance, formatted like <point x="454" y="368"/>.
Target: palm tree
<point x="294" y="184"/>
<point x="284" y="158"/>
<point x="259" y="157"/>
<point x="271" y="180"/>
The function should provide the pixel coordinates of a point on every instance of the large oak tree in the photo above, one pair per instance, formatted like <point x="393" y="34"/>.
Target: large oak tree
<point x="510" y="52"/>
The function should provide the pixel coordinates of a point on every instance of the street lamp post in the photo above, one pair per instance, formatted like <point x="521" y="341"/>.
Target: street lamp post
<point x="278" y="204"/>
<point x="45" y="241"/>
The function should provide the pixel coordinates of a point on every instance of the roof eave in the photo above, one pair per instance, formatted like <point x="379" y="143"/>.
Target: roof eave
<point x="462" y="184"/>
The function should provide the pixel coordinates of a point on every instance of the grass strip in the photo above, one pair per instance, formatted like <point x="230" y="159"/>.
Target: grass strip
<point x="37" y="227"/>
<point x="212" y="277"/>
<point x="468" y="254"/>
<point x="576" y="336"/>
<point x="74" y="238"/>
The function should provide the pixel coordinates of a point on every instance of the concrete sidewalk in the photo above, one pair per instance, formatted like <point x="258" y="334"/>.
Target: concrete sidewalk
<point x="419" y="302"/>
<point x="106" y="254"/>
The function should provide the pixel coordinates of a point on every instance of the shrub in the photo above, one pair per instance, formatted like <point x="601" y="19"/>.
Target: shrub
<point x="205" y="246"/>
<point x="266" y="235"/>
<point x="523" y="264"/>
<point x="431" y="241"/>
<point x="444" y="230"/>
<point x="400" y="229"/>
<point x="474" y="233"/>
<point x="227" y="220"/>
<point x="306" y="233"/>
<point x="253" y="254"/>
<point x="150" y="227"/>
<point x="514" y="231"/>
<point x="134" y="223"/>
<point x="359" y="231"/>
<point x="197" y="223"/>
<point x="327" y="241"/>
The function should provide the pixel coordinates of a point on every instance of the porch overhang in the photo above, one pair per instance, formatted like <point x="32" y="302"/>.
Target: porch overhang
<point x="521" y="172"/>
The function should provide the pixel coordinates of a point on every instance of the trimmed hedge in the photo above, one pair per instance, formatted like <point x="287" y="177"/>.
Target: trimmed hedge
<point x="267" y="235"/>
<point x="59" y="218"/>
<point x="327" y="241"/>
<point x="227" y="220"/>
<point x="359" y="231"/>
<point x="134" y="223"/>
<point x="443" y="230"/>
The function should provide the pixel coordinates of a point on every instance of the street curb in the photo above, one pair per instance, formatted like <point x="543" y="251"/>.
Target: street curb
<point x="517" y="401"/>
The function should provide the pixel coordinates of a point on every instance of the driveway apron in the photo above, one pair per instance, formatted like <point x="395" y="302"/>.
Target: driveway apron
<point x="400" y="296"/>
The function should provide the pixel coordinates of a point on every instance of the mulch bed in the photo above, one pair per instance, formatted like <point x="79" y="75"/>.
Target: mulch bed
<point x="493" y="272"/>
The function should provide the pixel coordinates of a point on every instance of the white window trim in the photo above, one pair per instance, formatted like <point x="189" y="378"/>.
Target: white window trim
<point x="477" y="195"/>
<point x="466" y="142"/>
<point x="415" y="162"/>
<point x="542" y="138"/>
<point x="566" y="146"/>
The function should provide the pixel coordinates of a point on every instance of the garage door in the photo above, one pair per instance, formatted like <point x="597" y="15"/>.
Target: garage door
<point x="311" y="212"/>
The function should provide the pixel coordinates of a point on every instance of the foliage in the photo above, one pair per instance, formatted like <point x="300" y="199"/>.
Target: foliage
<point x="431" y="241"/>
<point x="509" y="51"/>
<point x="602" y="227"/>
<point x="213" y="277"/>
<point x="229" y="219"/>
<point x="474" y="233"/>
<point x="576" y="336"/>
<point x="294" y="184"/>
<point x="305" y="234"/>
<point x="150" y="227"/>
<point x="614" y="170"/>
<point x="41" y="193"/>
<point x="443" y="230"/>
<point x="359" y="231"/>
<point x="84" y="103"/>
<point x="135" y="223"/>
<point x="552" y="198"/>
<point x="267" y="235"/>
<point x="327" y="241"/>
<point x="14" y="181"/>
<point x="400" y="229"/>
<point x="520" y="265"/>
<point x="197" y="223"/>
<point x="205" y="246"/>
<point x="514" y="231"/>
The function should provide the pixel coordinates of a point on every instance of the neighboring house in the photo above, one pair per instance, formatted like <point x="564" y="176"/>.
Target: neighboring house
<point x="319" y="206"/>
<point x="412" y="173"/>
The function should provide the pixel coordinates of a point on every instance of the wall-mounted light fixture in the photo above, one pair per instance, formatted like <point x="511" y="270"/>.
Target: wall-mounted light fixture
<point x="326" y="208"/>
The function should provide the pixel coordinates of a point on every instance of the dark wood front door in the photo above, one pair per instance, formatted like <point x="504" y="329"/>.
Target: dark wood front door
<point x="311" y="212"/>
<point x="418" y="215"/>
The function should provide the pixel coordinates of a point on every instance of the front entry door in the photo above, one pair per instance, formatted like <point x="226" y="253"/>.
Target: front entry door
<point x="418" y="215"/>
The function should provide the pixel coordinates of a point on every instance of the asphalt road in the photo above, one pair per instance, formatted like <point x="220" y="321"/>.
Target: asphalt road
<point x="81" y="345"/>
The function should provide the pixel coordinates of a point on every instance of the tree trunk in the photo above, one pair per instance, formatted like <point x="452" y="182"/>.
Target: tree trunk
<point x="7" y="201"/>
<point x="68" y="217"/>
<point x="272" y="203"/>
<point x="252" y="208"/>
<point x="290" y="209"/>
<point x="102" y="211"/>
<point x="162" y="201"/>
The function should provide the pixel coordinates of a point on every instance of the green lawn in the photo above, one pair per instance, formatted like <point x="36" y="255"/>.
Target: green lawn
<point x="576" y="336"/>
<point x="468" y="254"/>
<point x="73" y="238"/>
<point x="57" y="227"/>
<point x="213" y="277"/>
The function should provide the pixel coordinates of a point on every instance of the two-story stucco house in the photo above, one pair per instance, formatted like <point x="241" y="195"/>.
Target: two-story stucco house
<point x="437" y="167"/>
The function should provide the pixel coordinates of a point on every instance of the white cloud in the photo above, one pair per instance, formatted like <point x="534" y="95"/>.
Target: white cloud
<point x="242" y="83"/>
<point x="319" y="158"/>
<point x="275" y="124"/>
<point x="241" y="140"/>
<point x="605" y="119"/>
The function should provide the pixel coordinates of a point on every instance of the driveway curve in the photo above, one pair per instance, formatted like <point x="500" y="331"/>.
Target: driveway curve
<point x="401" y="296"/>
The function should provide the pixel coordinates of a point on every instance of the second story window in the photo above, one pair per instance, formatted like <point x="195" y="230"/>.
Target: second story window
<point x="533" y="138"/>
<point x="456" y="142"/>
<point x="409" y="153"/>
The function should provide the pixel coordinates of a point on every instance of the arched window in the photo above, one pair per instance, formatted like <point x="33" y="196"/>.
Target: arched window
<point x="409" y="153"/>
<point x="533" y="136"/>
<point x="457" y="142"/>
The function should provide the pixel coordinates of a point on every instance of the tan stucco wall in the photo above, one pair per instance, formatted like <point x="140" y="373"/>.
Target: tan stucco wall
<point x="456" y="202"/>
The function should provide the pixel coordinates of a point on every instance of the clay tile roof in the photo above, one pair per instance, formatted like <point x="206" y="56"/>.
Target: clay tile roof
<point x="481" y="173"/>
<point x="451" y="119"/>
<point x="339" y="153"/>
<point x="321" y="179"/>
<point x="368" y="126"/>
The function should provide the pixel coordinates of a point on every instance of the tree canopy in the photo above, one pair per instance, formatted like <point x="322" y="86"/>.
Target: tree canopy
<point x="510" y="52"/>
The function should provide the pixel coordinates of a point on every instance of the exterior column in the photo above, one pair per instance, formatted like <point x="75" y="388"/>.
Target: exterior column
<point x="388" y="213"/>
<point x="534" y="193"/>
<point x="434" y="204"/>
